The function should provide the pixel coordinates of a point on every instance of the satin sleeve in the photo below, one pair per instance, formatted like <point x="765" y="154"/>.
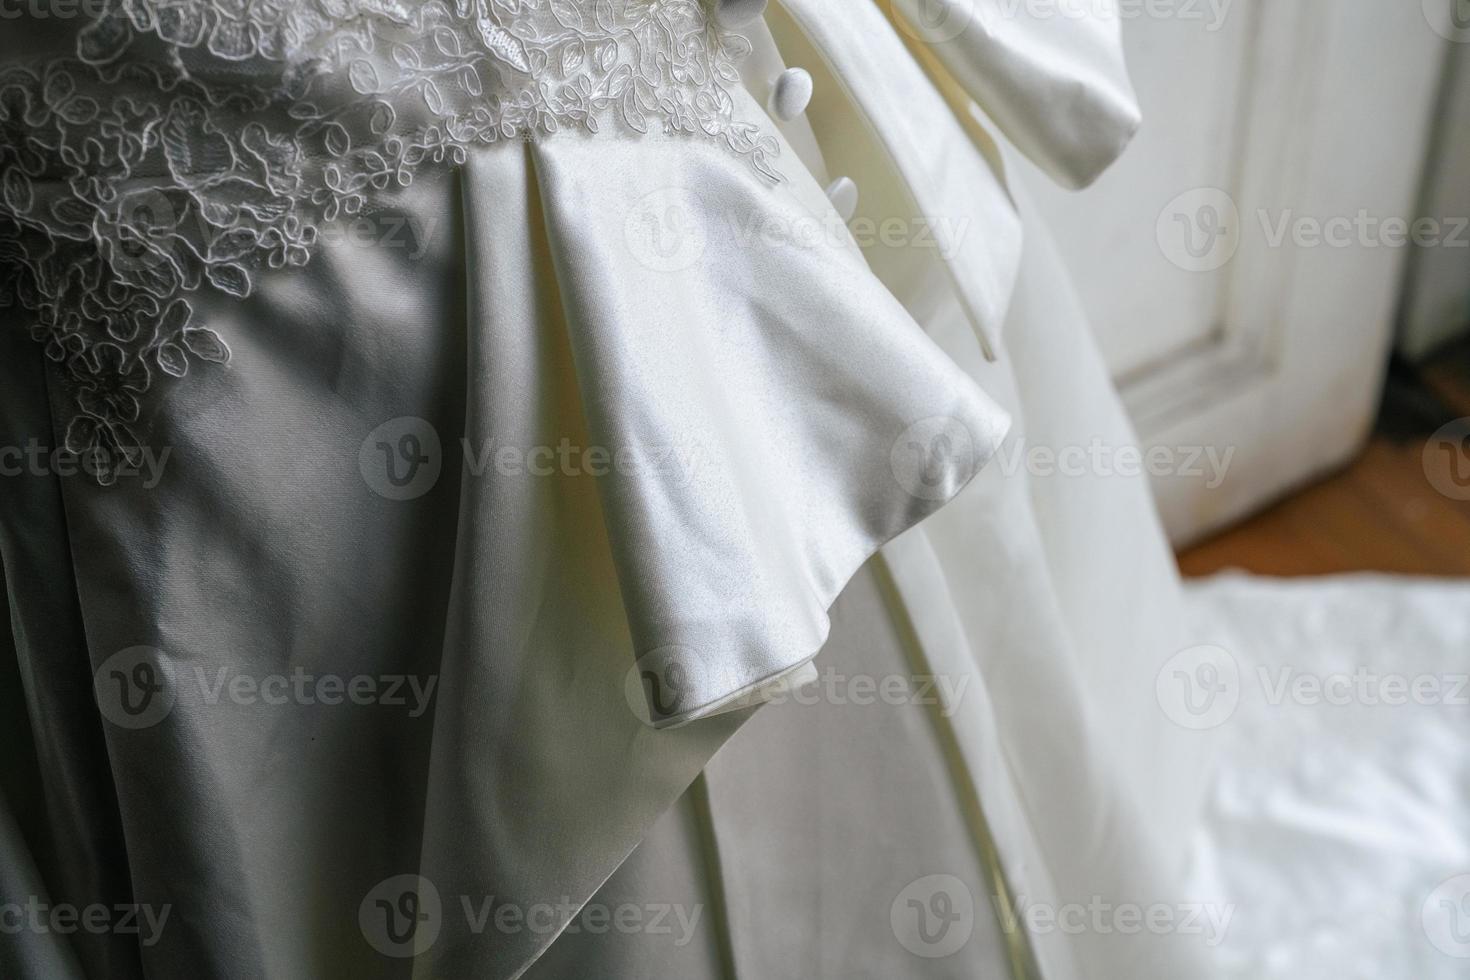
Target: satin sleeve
<point x="792" y="416"/>
<point x="1054" y="82"/>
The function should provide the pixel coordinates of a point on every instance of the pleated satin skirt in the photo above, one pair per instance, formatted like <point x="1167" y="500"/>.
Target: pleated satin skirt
<point x="600" y="561"/>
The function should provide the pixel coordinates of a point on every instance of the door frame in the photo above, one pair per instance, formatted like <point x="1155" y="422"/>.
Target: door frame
<point x="1334" y="121"/>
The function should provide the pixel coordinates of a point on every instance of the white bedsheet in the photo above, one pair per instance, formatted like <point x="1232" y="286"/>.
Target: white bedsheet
<point x="1339" y="823"/>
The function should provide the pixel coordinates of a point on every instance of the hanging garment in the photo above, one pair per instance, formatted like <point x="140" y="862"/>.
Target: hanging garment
<point x="435" y="430"/>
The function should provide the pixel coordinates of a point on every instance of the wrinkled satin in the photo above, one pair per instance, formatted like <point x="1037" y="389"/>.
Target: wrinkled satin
<point x="525" y="321"/>
<point x="1050" y="75"/>
<point x="882" y="126"/>
<point x="793" y="371"/>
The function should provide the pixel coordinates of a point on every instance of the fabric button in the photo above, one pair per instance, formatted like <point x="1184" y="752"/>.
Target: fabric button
<point x="738" y="13"/>
<point x="791" y="94"/>
<point x="843" y="194"/>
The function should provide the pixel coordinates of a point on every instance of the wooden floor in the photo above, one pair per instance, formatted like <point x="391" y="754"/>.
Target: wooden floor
<point x="1383" y="513"/>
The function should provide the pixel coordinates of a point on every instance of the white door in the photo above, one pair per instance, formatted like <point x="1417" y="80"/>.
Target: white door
<point x="1242" y="263"/>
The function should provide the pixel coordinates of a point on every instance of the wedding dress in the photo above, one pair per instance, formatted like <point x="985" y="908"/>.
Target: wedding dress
<point x="441" y="438"/>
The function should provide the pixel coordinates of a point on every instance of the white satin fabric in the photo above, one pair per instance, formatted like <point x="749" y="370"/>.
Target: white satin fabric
<point x="1050" y="75"/>
<point x="829" y="391"/>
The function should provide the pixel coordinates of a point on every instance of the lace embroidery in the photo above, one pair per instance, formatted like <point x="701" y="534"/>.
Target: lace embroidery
<point x="190" y="144"/>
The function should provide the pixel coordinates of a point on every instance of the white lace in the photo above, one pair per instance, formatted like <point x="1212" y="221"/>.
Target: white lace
<point x="191" y="144"/>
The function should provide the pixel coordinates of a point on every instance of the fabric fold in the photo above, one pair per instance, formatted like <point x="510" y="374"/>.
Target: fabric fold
<point x="877" y="117"/>
<point x="717" y="415"/>
<point x="1051" y="76"/>
<point x="758" y="407"/>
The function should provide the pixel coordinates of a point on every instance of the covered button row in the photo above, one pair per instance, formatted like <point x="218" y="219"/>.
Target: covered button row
<point x="791" y="93"/>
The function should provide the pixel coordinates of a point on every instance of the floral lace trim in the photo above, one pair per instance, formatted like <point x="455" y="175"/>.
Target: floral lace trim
<point x="191" y="144"/>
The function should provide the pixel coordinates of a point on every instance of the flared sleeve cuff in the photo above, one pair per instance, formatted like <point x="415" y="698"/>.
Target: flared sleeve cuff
<point x="771" y="414"/>
<point x="1053" y="80"/>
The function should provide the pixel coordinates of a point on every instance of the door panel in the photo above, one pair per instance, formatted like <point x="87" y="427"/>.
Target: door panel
<point x="1237" y="264"/>
<point x="1189" y="76"/>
